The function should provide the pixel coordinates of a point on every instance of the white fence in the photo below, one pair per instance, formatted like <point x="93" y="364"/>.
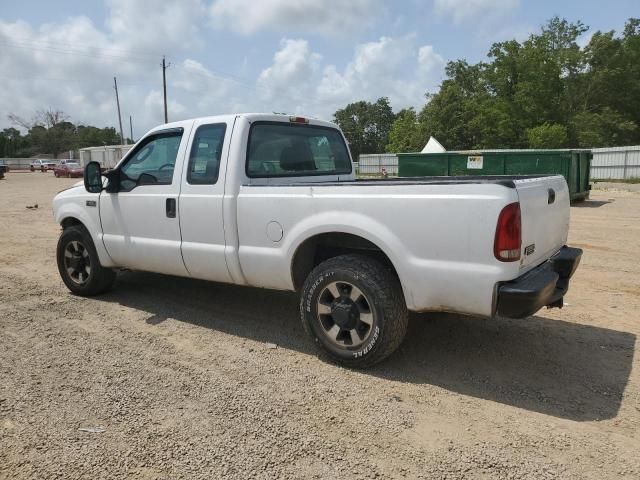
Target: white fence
<point x="25" y="163"/>
<point x="18" y="163"/>
<point x="378" y="165"/>
<point x="615" y="163"/>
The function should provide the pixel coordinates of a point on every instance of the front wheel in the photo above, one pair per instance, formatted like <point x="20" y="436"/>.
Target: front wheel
<point x="354" y="309"/>
<point x="79" y="265"/>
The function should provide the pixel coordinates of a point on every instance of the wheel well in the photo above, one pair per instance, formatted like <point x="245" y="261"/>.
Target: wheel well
<point x="70" y="222"/>
<point x="319" y="248"/>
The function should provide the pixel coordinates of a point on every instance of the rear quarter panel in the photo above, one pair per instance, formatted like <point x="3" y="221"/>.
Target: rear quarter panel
<point x="438" y="237"/>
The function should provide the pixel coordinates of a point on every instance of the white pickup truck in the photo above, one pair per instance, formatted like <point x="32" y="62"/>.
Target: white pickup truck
<point x="272" y="201"/>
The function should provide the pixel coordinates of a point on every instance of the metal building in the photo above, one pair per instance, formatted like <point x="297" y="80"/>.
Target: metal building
<point x="107" y="156"/>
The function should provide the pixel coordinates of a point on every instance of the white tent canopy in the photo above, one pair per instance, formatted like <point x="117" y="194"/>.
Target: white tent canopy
<point x="433" y="146"/>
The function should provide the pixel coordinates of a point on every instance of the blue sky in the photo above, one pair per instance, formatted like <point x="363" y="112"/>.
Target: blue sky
<point x="298" y="56"/>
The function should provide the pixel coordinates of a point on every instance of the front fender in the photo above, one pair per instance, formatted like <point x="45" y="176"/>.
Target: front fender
<point x="68" y="204"/>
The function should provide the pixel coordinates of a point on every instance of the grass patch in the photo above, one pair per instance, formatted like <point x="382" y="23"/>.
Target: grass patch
<point x="615" y="180"/>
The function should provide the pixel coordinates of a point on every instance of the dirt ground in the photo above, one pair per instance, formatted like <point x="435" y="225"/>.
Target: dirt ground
<point x="180" y="376"/>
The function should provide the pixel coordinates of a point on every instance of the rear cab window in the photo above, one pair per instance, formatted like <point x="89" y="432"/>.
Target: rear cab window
<point x="278" y="149"/>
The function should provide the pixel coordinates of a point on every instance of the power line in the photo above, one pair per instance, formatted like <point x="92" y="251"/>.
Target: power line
<point x="99" y="52"/>
<point x="65" y="49"/>
<point x="254" y="88"/>
<point x="71" y="78"/>
<point x="86" y="50"/>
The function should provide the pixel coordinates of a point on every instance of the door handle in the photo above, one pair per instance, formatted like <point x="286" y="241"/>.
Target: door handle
<point x="171" y="207"/>
<point x="552" y="196"/>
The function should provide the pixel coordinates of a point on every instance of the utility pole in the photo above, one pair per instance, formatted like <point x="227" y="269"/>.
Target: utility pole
<point x="115" y="84"/>
<point x="164" y="88"/>
<point x="131" y="129"/>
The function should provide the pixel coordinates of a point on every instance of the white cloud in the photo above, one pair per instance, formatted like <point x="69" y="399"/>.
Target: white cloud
<point x="147" y="26"/>
<point x="390" y="67"/>
<point x="428" y="60"/>
<point x="155" y="100"/>
<point x="326" y="17"/>
<point x="290" y="77"/>
<point x="209" y="93"/>
<point x="70" y="66"/>
<point x="461" y="10"/>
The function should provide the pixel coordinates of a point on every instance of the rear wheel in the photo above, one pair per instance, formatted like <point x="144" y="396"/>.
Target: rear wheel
<point x="354" y="309"/>
<point x="79" y="265"/>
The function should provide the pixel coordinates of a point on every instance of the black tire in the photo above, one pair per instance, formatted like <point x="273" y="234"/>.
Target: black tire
<point x="381" y="293"/>
<point x="99" y="279"/>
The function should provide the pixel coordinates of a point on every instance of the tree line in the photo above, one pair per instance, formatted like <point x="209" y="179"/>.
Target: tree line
<point x="51" y="132"/>
<point x="544" y="92"/>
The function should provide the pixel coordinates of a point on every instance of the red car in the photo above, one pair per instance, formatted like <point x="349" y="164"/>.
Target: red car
<point x="68" y="169"/>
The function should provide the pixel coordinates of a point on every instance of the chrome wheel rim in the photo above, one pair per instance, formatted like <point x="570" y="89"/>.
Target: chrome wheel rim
<point x="344" y="314"/>
<point x="77" y="262"/>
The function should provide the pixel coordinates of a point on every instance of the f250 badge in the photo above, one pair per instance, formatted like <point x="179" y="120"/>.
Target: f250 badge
<point x="529" y="249"/>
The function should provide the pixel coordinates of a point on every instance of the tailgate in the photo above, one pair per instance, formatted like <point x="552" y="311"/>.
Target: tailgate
<point x="544" y="205"/>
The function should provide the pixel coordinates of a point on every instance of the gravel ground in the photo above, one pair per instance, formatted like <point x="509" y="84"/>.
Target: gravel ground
<point x="187" y="379"/>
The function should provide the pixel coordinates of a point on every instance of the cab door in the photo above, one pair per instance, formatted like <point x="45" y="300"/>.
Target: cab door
<point x="140" y="222"/>
<point x="201" y="199"/>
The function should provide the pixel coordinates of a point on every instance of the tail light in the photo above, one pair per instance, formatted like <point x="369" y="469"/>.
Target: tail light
<point x="508" y="241"/>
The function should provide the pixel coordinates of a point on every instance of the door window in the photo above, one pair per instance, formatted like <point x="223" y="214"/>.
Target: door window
<point x="206" y="151"/>
<point x="153" y="161"/>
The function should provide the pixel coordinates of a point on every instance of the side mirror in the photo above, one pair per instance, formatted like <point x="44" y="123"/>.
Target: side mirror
<point x="93" y="177"/>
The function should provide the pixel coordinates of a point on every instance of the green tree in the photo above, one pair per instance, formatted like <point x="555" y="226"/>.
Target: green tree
<point x="366" y="125"/>
<point x="547" y="135"/>
<point x="448" y="114"/>
<point x="406" y="133"/>
<point x="612" y="80"/>
<point x="50" y="132"/>
<point x="604" y="129"/>
<point x="545" y="91"/>
<point x="89" y="136"/>
<point x="10" y="142"/>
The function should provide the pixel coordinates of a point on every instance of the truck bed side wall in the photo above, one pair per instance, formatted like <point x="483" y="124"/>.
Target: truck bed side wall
<point x="438" y="237"/>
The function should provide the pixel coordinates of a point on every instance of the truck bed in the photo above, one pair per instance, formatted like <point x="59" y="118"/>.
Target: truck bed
<point x="439" y="232"/>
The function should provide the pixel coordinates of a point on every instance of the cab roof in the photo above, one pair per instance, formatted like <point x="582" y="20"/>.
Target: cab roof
<point x="250" y="117"/>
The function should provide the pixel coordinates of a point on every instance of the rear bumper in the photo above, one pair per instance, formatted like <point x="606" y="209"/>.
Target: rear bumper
<point x="545" y="285"/>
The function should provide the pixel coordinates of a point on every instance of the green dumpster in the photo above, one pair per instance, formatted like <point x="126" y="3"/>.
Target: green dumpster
<point x="574" y="165"/>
